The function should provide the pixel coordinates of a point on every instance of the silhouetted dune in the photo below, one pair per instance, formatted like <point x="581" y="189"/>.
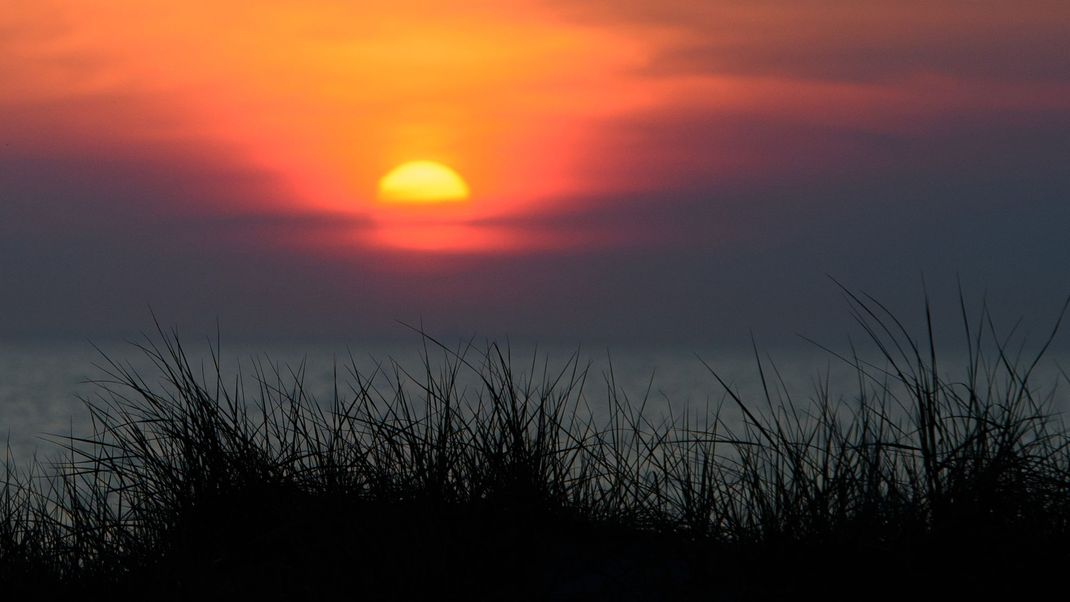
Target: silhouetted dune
<point x="191" y="487"/>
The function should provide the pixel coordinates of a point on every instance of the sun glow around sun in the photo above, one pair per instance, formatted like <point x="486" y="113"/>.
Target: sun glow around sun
<point x="422" y="182"/>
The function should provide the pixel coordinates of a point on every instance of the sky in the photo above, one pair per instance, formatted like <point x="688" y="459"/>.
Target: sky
<point x="668" y="171"/>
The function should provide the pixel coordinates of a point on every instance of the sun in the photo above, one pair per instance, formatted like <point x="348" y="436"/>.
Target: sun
<point x="422" y="182"/>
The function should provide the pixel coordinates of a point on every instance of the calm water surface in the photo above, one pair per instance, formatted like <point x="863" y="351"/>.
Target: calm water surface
<point x="42" y="383"/>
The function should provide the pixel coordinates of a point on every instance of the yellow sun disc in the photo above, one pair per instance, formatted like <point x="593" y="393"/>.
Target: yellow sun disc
<point x="422" y="182"/>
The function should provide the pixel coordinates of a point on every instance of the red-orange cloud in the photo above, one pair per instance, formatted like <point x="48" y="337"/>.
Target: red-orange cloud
<point x="537" y="104"/>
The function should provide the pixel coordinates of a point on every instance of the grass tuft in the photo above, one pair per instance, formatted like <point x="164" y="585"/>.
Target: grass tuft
<point x="473" y="476"/>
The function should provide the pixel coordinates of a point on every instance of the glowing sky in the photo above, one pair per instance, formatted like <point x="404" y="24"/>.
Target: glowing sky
<point x="677" y="146"/>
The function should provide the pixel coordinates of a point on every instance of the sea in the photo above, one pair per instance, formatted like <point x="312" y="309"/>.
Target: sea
<point x="44" y="385"/>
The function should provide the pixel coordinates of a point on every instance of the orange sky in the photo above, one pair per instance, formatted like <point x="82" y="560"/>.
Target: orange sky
<point x="658" y="169"/>
<point x="523" y="98"/>
<point x="329" y="95"/>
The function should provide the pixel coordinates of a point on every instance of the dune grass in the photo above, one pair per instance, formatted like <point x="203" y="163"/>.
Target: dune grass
<point x="476" y="476"/>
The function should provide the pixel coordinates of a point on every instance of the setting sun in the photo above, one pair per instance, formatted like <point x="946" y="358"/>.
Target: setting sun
<point x="422" y="182"/>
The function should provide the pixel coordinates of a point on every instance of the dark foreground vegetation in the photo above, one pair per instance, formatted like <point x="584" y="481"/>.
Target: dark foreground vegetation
<point x="476" y="478"/>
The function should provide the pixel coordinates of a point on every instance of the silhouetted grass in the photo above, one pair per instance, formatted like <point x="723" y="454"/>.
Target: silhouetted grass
<point x="475" y="477"/>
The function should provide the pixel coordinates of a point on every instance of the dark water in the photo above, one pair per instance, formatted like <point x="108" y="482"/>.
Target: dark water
<point x="42" y="383"/>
